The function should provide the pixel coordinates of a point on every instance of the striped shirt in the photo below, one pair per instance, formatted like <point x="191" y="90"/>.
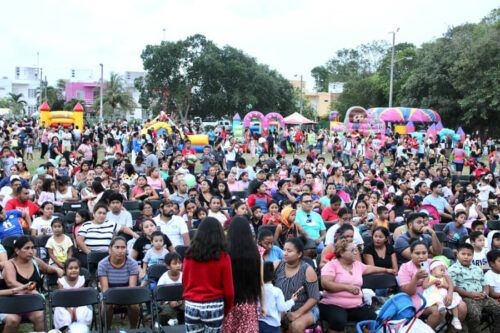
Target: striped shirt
<point x="117" y="276"/>
<point x="98" y="236"/>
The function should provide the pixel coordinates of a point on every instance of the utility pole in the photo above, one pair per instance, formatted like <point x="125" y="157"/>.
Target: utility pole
<point x="391" y="80"/>
<point x="101" y="118"/>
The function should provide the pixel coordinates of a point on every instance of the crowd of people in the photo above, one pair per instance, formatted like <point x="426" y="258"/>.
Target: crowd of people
<point x="271" y="232"/>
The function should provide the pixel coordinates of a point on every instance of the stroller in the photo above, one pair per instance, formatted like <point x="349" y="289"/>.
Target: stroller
<point x="398" y="315"/>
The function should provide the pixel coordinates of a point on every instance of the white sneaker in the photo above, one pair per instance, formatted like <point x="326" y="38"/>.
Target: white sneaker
<point x="455" y="322"/>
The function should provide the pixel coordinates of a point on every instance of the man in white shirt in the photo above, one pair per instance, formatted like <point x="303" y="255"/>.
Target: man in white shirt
<point x="172" y="225"/>
<point x="117" y="213"/>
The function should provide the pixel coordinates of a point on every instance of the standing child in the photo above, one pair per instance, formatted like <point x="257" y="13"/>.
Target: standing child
<point x="479" y="259"/>
<point x="207" y="279"/>
<point x="63" y="317"/>
<point x="59" y="245"/>
<point x="173" y="261"/>
<point x="438" y="289"/>
<point x="275" y="303"/>
<point x="29" y="147"/>
<point x="153" y="256"/>
<point x="470" y="284"/>
<point x="492" y="277"/>
<point x="456" y="230"/>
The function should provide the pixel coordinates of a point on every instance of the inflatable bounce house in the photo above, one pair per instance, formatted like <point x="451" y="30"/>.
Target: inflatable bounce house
<point x="61" y="118"/>
<point x="401" y="116"/>
<point x="335" y="125"/>
<point x="162" y="124"/>
<point x="237" y="128"/>
<point x="358" y="121"/>
<point x="255" y="121"/>
<point x="275" y="122"/>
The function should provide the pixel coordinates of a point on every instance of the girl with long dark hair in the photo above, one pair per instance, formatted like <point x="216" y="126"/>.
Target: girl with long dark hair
<point x="246" y="263"/>
<point x="207" y="279"/>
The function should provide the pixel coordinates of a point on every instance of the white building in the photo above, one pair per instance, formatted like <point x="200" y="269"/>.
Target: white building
<point x="129" y="79"/>
<point x="26" y="81"/>
<point x="5" y="87"/>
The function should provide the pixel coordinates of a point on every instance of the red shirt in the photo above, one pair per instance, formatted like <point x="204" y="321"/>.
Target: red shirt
<point x="27" y="206"/>
<point x="188" y="151"/>
<point x="329" y="215"/>
<point x="209" y="281"/>
<point x="298" y="136"/>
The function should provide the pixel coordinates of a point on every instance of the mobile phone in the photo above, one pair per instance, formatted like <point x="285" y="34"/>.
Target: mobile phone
<point x="424" y="265"/>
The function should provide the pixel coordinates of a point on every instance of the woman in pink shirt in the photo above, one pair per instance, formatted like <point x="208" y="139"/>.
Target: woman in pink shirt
<point x="342" y="279"/>
<point x="411" y="277"/>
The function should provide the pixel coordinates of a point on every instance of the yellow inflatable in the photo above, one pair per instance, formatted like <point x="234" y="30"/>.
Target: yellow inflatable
<point x="156" y="127"/>
<point x="61" y="118"/>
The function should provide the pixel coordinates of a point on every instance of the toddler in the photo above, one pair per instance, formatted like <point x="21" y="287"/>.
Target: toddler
<point x="438" y="287"/>
<point x="275" y="302"/>
<point x="153" y="256"/>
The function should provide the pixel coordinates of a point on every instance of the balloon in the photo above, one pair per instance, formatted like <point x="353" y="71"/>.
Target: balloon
<point x="443" y="259"/>
<point x="190" y="180"/>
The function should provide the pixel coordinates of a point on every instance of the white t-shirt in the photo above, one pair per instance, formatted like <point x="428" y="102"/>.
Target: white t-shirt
<point x="41" y="225"/>
<point x="219" y="216"/>
<point x="123" y="219"/>
<point x="165" y="279"/>
<point x="330" y="235"/>
<point x="492" y="279"/>
<point x="60" y="249"/>
<point x="480" y="260"/>
<point x="174" y="229"/>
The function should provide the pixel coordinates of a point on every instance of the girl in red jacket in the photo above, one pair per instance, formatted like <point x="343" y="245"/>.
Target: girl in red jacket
<point x="207" y="279"/>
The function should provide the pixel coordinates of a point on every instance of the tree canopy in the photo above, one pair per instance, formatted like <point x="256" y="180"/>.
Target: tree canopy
<point x="456" y="75"/>
<point x="197" y="78"/>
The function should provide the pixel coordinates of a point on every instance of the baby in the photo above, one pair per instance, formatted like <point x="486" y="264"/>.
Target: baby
<point x="438" y="289"/>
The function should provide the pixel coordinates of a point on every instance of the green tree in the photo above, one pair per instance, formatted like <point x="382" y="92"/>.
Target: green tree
<point x="4" y="103"/>
<point x="17" y="104"/>
<point x="116" y="97"/>
<point x="195" y="77"/>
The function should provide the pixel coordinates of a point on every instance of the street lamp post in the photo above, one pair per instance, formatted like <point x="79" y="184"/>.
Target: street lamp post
<point x="391" y="81"/>
<point x="301" y="94"/>
<point x="101" y="118"/>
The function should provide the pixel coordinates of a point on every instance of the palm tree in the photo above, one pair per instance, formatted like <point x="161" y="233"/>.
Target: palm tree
<point x="17" y="104"/>
<point x="116" y="97"/>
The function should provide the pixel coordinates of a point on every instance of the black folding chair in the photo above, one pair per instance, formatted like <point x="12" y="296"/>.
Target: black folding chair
<point x="51" y="279"/>
<point x="20" y="304"/>
<point x="181" y="249"/>
<point x="73" y="206"/>
<point x="439" y="226"/>
<point x="442" y="237"/>
<point x="131" y="205"/>
<point x="393" y="226"/>
<point x="41" y="250"/>
<point x="270" y="227"/>
<point x="156" y="271"/>
<point x="380" y="281"/>
<point x="192" y="233"/>
<point x="494" y="225"/>
<point x="127" y="296"/>
<point x="240" y="194"/>
<point x="328" y="225"/>
<point x="155" y="204"/>
<point x="75" y="298"/>
<point x="8" y="244"/>
<point x="449" y="253"/>
<point x="135" y="214"/>
<point x="93" y="259"/>
<point x="168" y="293"/>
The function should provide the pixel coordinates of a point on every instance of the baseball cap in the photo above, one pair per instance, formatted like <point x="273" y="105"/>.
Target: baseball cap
<point x="14" y="177"/>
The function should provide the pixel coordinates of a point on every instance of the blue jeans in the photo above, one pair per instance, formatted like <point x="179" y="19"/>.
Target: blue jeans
<point x="266" y="328"/>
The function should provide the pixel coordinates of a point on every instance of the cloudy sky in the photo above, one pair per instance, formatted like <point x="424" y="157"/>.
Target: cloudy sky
<point x="291" y="36"/>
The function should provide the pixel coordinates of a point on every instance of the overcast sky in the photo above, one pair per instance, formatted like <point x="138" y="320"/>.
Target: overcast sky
<point x="291" y="36"/>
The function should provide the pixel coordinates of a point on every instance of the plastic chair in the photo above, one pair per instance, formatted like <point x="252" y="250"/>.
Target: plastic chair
<point x="181" y="249"/>
<point x="448" y="253"/>
<point x="93" y="259"/>
<point x="131" y="205"/>
<point x="155" y="204"/>
<point x="73" y="206"/>
<point x="494" y="225"/>
<point x="168" y="293"/>
<point x="439" y="226"/>
<point x="75" y="298"/>
<point x="441" y="236"/>
<point x="240" y="194"/>
<point x="156" y="271"/>
<point x="380" y="281"/>
<point x="127" y="296"/>
<point x="20" y="304"/>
